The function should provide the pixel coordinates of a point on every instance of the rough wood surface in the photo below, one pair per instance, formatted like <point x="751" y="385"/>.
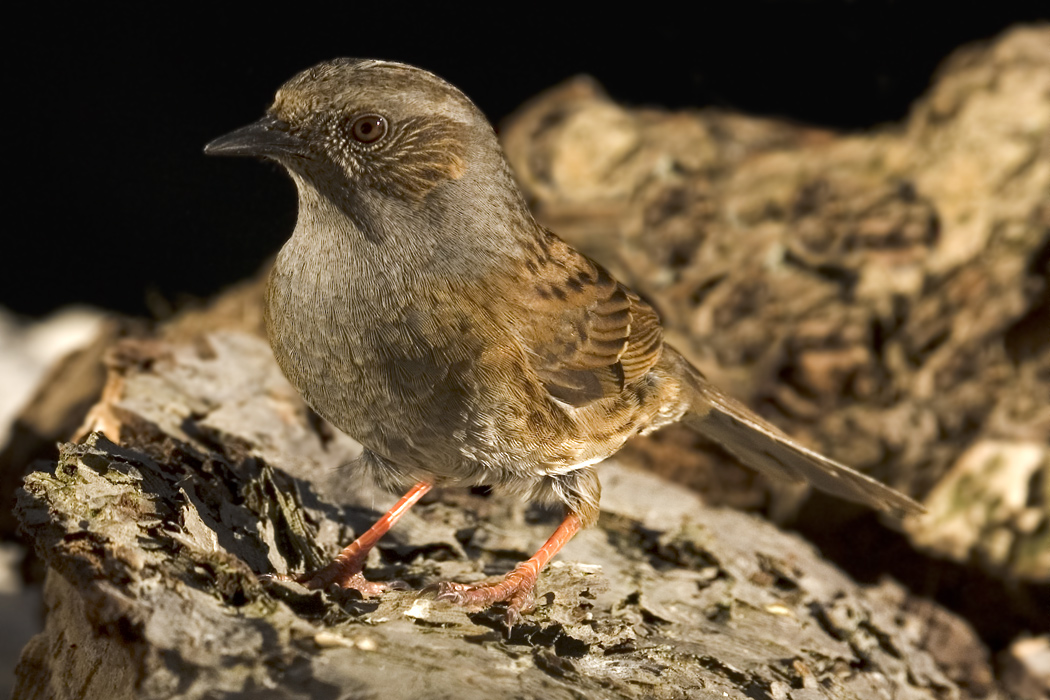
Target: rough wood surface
<point x="154" y="545"/>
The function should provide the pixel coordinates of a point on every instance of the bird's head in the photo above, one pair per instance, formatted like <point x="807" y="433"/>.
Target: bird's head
<point x="381" y="140"/>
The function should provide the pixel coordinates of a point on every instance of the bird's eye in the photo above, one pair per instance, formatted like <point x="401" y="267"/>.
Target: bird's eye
<point x="369" y="128"/>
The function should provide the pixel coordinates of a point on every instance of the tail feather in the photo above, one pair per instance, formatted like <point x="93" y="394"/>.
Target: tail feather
<point x="764" y="447"/>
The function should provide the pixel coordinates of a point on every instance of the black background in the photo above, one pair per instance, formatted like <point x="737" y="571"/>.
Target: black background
<point x="111" y="202"/>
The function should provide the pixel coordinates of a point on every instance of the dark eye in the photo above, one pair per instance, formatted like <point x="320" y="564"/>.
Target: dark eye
<point x="369" y="128"/>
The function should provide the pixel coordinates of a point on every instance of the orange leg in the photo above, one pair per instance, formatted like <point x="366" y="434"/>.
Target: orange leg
<point x="345" y="569"/>
<point x="516" y="587"/>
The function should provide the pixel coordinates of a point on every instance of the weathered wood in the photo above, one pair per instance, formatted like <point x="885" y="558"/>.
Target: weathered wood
<point x="154" y="545"/>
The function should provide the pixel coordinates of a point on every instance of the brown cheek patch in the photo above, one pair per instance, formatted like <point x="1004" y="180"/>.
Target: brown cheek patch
<point x="427" y="152"/>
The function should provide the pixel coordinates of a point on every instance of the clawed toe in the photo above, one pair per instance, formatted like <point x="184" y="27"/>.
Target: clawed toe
<point x="449" y="592"/>
<point x="323" y="579"/>
<point x="263" y="578"/>
<point x="516" y="593"/>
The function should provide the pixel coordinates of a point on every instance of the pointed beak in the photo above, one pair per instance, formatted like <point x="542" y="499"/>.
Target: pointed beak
<point x="267" y="137"/>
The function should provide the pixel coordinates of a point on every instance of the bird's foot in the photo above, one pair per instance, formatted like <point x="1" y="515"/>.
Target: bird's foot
<point x="345" y="570"/>
<point x="515" y="590"/>
<point x="341" y="573"/>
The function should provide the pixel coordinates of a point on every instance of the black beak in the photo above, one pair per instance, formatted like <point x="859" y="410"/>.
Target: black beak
<point x="267" y="137"/>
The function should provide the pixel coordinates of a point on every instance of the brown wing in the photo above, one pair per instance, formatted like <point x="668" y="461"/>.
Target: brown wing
<point x="762" y="446"/>
<point x="588" y="334"/>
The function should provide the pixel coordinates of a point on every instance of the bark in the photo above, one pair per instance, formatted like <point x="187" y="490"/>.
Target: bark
<point x="154" y="545"/>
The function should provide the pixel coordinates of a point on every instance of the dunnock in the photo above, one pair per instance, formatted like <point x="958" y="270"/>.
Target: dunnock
<point x="420" y="308"/>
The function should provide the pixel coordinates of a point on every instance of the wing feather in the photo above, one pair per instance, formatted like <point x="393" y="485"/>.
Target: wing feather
<point x="588" y="334"/>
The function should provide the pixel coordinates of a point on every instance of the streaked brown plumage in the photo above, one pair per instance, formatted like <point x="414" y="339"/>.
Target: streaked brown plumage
<point x="420" y="308"/>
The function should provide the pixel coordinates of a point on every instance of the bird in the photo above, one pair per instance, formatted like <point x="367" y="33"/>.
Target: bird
<point x="420" y="308"/>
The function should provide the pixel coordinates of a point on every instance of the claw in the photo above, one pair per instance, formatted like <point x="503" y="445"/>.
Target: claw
<point x="345" y="570"/>
<point x="516" y="588"/>
<point x="447" y="591"/>
<point x="323" y="579"/>
<point x="516" y="592"/>
<point x="275" y="577"/>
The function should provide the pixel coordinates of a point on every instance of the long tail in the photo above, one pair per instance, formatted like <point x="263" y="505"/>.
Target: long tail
<point x="764" y="447"/>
